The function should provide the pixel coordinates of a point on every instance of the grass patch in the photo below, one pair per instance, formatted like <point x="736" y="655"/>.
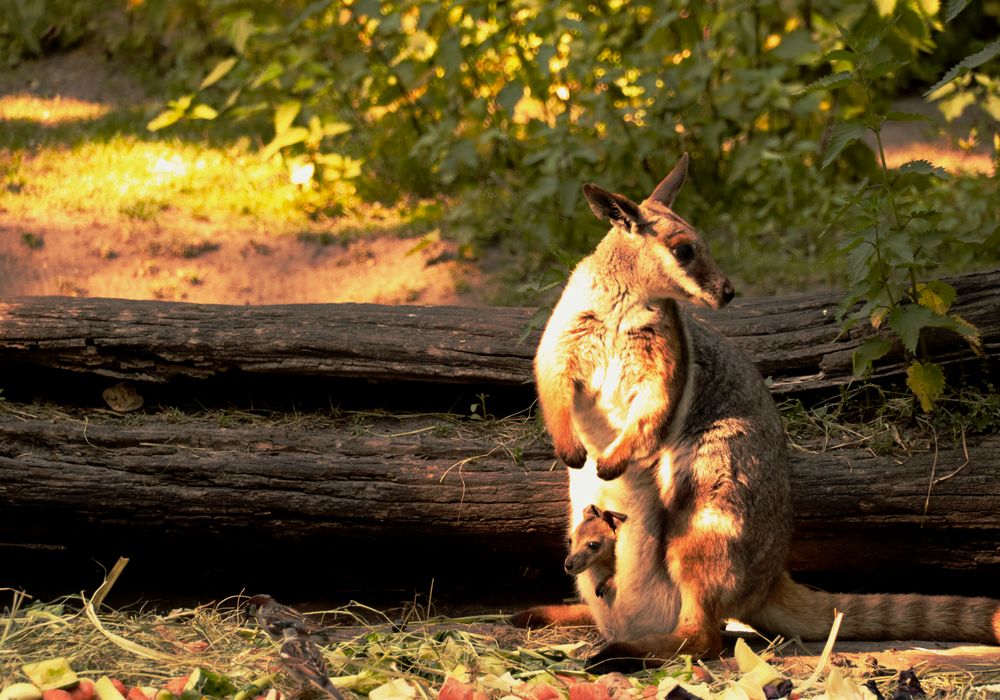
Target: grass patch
<point x="409" y="652"/>
<point x="887" y="420"/>
<point x="77" y="157"/>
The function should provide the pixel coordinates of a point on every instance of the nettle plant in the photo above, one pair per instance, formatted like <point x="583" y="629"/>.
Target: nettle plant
<point x="892" y="241"/>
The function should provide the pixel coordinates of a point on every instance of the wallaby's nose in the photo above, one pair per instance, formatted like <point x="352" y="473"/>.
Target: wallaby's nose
<point x="728" y="292"/>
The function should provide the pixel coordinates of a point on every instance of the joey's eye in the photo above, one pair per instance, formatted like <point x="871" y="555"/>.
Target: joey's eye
<point x="593" y="545"/>
<point x="683" y="253"/>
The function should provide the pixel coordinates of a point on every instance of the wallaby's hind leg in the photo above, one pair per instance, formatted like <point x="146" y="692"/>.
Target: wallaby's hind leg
<point x="546" y="615"/>
<point x="697" y="633"/>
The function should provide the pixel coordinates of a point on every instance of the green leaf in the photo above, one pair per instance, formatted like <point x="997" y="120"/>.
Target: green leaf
<point x="842" y="136"/>
<point x="922" y="167"/>
<point x="991" y="51"/>
<point x="908" y="321"/>
<point x="968" y="331"/>
<point x="218" y="73"/>
<point x="926" y="381"/>
<point x="285" y="114"/>
<point x="510" y="95"/>
<point x="164" y="119"/>
<point x="955" y="8"/>
<point x="449" y="56"/>
<point x="858" y="260"/>
<point x="885" y="7"/>
<point x="839" y="55"/>
<point x="336" y="128"/>
<point x="795" y="46"/>
<point x="869" y="351"/>
<point x="830" y="82"/>
<point x="202" y="111"/>
<point x="240" y="31"/>
<point x="288" y="137"/>
<point x="885" y="67"/>
<point x="273" y="70"/>
<point x="936" y="295"/>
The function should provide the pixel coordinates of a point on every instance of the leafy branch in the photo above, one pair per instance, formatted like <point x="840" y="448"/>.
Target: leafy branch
<point x="890" y="241"/>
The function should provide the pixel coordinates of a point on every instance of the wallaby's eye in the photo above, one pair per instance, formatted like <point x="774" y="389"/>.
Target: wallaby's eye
<point x="593" y="545"/>
<point x="683" y="253"/>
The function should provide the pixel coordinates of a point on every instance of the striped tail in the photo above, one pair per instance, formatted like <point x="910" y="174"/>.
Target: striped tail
<point x="794" y="610"/>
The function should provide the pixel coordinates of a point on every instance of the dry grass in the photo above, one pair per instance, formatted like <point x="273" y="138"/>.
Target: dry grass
<point x="366" y="648"/>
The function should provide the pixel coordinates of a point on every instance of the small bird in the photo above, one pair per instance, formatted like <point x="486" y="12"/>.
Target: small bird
<point x="275" y="618"/>
<point x="304" y="662"/>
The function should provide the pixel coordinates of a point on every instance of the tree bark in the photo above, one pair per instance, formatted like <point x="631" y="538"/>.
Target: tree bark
<point x="794" y="340"/>
<point x="441" y="485"/>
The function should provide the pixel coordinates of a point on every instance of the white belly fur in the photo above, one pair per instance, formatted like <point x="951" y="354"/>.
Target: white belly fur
<point x="645" y="601"/>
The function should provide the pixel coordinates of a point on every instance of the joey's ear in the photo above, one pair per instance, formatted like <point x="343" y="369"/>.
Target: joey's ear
<point x="616" y="208"/>
<point x="591" y="512"/>
<point x="666" y="192"/>
<point x="612" y="519"/>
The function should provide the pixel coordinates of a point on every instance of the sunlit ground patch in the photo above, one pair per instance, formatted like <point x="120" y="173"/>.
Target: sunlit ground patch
<point x="969" y="162"/>
<point x="49" y="110"/>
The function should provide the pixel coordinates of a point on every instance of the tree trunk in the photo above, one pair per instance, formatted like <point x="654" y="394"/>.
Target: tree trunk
<point x="448" y="488"/>
<point x="794" y="340"/>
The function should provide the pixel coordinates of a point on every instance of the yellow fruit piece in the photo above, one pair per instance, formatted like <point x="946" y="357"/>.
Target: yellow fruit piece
<point x="106" y="690"/>
<point x="21" y="691"/>
<point x="51" y="674"/>
<point x="757" y="672"/>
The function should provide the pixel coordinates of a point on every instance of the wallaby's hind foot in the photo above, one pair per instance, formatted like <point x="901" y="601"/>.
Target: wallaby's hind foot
<point x="548" y="615"/>
<point x="654" y="651"/>
<point x="620" y="657"/>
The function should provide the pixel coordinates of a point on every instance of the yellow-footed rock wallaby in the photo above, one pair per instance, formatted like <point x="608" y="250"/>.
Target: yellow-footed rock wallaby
<point x="592" y="549"/>
<point x="662" y="418"/>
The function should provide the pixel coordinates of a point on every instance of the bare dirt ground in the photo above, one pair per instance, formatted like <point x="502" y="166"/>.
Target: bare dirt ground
<point x="84" y="255"/>
<point x="180" y="257"/>
<point x="184" y="258"/>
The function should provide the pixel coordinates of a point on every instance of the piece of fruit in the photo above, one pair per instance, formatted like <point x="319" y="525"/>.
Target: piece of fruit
<point x="132" y="694"/>
<point x="84" y="690"/>
<point x="175" y="686"/>
<point x="106" y="690"/>
<point x="56" y="694"/>
<point x="757" y="672"/>
<point x="209" y="683"/>
<point x="51" y="673"/>
<point x="589" y="691"/>
<point x="21" y="691"/>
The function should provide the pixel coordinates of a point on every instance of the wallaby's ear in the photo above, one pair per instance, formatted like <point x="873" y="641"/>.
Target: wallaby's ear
<point x="666" y="192"/>
<point x="616" y="208"/>
<point x="612" y="519"/>
<point x="591" y="512"/>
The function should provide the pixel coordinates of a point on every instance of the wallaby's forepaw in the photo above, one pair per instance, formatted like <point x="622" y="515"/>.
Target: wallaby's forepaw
<point x="574" y="457"/>
<point x="619" y="657"/>
<point x="605" y="588"/>
<point x="611" y="468"/>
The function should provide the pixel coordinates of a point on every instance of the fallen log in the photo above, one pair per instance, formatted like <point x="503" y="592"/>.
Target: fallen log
<point x="441" y="492"/>
<point x="794" y="340"/>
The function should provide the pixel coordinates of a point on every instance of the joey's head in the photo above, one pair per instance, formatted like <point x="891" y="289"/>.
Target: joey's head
<point x="658" y="254"/>
<point x="593" y="541"/>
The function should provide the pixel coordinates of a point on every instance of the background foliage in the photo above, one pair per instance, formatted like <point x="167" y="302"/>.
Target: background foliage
<point x="501" y="109"/>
